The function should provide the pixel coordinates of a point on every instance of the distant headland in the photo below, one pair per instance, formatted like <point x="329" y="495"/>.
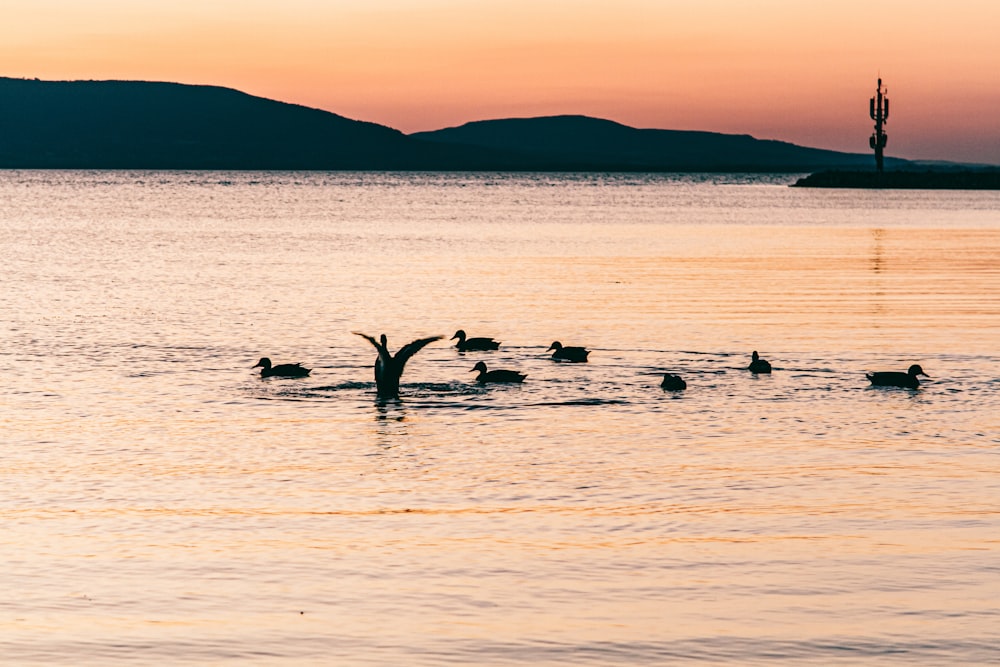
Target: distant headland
<point x="939" y="179"/>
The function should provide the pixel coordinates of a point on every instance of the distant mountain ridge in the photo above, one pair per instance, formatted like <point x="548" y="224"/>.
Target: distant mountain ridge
<point x="156" y="125"/>
<point x="603" y="143"/>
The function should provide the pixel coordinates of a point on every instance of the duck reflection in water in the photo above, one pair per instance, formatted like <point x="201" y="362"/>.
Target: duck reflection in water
<point x="390" y="423"/>
<point x="389" y="367"/>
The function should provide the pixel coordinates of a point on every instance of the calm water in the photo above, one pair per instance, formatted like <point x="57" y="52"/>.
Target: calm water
<point x="162" y="504"/>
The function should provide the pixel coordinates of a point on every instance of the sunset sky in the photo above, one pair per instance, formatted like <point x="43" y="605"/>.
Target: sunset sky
<point x="776" y="69"/>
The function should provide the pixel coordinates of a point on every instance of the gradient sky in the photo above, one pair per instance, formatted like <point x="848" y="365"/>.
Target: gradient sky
<point x="777" y="69"/>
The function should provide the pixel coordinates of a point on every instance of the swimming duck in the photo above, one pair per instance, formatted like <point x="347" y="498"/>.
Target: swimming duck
<point x="574" y="354"/>
<point x="496" y="376"/>
<point x="758" y="365"/>
<point x="673" y="382"/>
<point x="474" y="344"/>
<point x="389" y="367"/>
<point x="281" y="370"/>
<point x="896" y="379"/>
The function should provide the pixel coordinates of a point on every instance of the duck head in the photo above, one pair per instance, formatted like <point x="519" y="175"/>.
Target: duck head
<point x="265" y="363"/>
<point x="460" y="335"/>
<point x="916" y="370"/>
<point x="480" y="366"/>
<point x="556" y="345"/>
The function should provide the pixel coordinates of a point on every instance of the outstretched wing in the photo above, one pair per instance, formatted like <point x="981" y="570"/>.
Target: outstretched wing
<point x="384" y="358"/>
<point x="370" y="339"/>
<point x="411" y="349"/>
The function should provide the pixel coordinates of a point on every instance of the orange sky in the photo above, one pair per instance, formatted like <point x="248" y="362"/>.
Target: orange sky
<point x="776" y="69"/>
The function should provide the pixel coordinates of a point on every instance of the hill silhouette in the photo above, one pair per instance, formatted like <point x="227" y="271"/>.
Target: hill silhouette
<point x="135" y="124"/>
<point x="155" y="125"/>
<point x="603" y="144"/>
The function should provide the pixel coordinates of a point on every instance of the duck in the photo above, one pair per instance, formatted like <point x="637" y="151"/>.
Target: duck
<point x="474" y="344"/>
<point x="388" y="366"/>
<point x="758" y="365"/>
<point x="281" y="370"/>
<point x="572" y="354"/>
<point x="673" y="382"/>
<point x="496" y="376"/>
<point x="896" y="379"/>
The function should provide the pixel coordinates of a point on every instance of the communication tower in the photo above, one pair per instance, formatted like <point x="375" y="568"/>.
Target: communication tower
<point x="878" y="108"/>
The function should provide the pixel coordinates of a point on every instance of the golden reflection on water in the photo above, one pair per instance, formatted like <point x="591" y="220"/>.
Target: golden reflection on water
<point x="166" y="505"/>
<point x="927" y="282"/>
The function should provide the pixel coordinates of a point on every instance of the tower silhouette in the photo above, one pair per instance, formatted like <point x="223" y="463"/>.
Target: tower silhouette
<point x="878" y="108"/>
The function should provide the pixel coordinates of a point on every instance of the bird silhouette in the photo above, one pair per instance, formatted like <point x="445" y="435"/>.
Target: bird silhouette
<point x="896" y="379"/>
<point x="758" y="365"/>
<point x="388" y="366"/>
<point x="474" y="344"/>
<point x="568" y="353"/>
<point x="281" y="370"/>
<point x="496" y="376"/>
<point x="673" y="382"/>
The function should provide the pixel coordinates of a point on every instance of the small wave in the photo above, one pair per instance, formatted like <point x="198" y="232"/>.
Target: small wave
<point x="579" y="402"/>
<point x="684" y="371"/>
<point x="344" y="386"/>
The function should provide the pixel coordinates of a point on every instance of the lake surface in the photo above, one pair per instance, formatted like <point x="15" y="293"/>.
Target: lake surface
<point x="162" y="504"/>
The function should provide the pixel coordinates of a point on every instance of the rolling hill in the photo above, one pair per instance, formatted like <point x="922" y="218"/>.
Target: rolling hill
<point x="590" y="143"/>
<point x="135" y="125"/>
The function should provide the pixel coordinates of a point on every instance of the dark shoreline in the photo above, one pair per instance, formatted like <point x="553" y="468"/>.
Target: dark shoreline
<point x="965" y="179"/>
